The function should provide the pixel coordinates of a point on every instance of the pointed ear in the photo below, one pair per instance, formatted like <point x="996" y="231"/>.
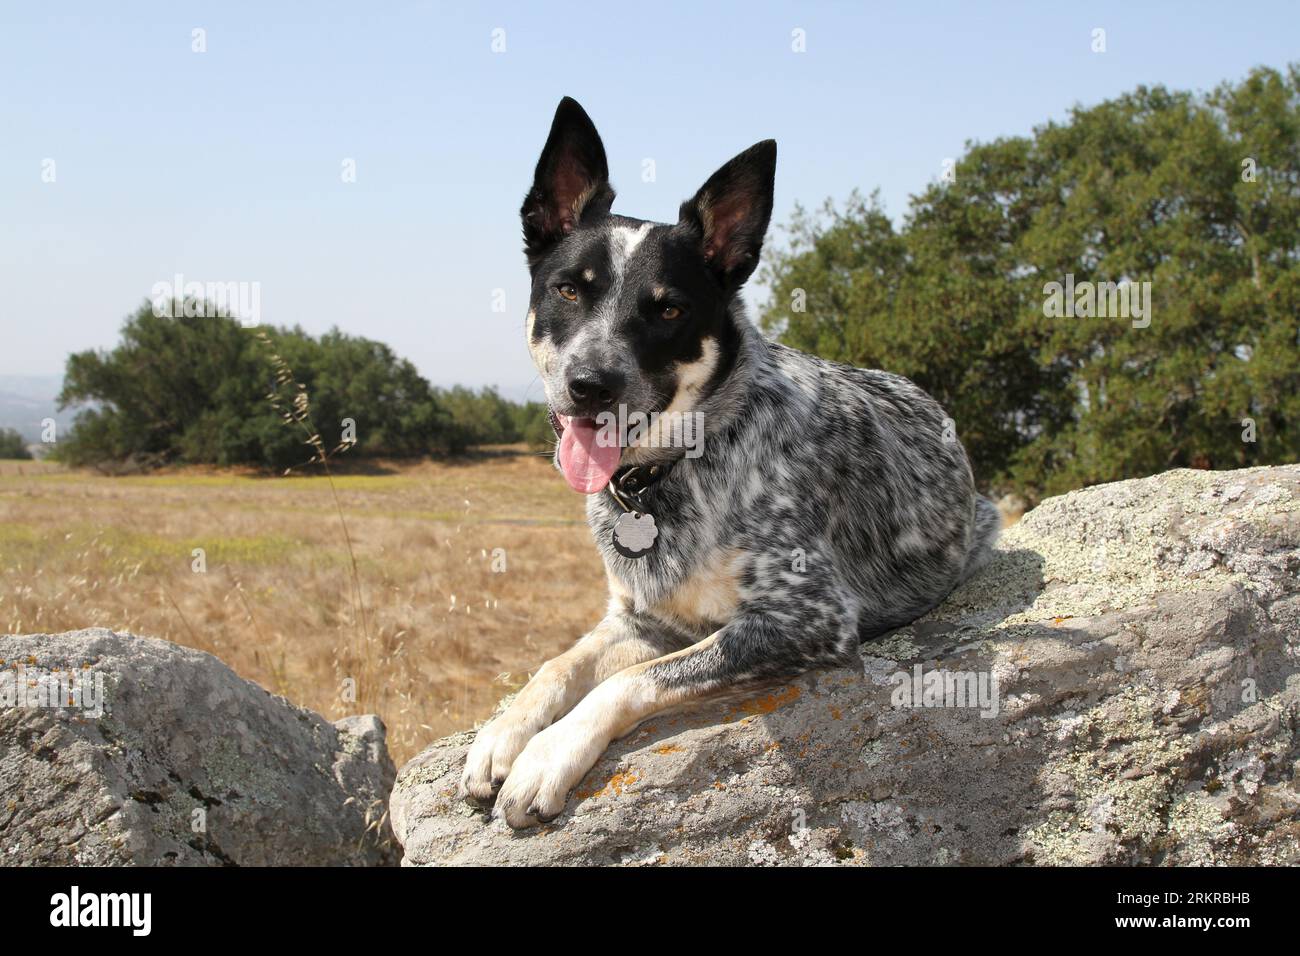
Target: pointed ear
<point x="571" y="182"/>
<point x="731" y="212"/>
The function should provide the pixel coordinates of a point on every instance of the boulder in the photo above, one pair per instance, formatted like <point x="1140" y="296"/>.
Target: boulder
<point x="1118" y="686"/>
<point x="119" y="750"/>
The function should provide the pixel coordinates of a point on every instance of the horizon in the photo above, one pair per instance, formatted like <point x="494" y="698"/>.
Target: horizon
<point x="418" y="250"/>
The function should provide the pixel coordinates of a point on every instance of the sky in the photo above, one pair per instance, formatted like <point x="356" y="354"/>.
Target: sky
<point x="228" y="165"/>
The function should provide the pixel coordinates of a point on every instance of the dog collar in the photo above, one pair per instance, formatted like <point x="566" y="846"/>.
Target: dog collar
<point x="635" y="533"/>
<point x="632" y="480"/>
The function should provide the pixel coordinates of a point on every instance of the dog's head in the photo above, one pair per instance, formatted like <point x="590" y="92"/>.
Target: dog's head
<point x="626" y="315"/>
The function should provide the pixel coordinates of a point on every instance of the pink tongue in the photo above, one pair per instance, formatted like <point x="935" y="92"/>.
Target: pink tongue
<point x="587" y="463"/>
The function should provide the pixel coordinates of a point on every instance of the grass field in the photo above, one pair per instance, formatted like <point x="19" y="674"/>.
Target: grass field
<point x="470" y="575"/>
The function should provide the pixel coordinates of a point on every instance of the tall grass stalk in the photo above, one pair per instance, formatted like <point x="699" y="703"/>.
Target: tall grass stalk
<point x="297" y="412"/>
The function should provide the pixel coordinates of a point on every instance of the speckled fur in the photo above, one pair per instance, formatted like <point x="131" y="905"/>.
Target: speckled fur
<point x="841" y="471"/>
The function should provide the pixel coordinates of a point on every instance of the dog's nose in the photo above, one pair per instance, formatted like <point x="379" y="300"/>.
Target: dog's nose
<point x="591" y="387"/>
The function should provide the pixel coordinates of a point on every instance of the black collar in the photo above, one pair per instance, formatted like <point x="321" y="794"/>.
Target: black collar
<point x="631" y="482"/>
<point x="637" y="478"/>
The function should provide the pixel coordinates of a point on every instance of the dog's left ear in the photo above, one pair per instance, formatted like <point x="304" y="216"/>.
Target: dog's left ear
<point x="570" y="184"/>
<point x="731" y="212"/>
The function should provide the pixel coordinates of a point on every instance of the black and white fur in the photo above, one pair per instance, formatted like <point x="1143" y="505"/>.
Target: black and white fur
<point x="830" y="504"/>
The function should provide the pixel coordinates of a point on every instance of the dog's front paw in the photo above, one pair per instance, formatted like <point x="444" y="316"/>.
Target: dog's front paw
<point x="493" y="753"/>
<point x="544" y="773"/>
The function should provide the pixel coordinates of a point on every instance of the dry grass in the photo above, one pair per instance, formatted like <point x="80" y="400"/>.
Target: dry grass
<point x="443" y="634"/>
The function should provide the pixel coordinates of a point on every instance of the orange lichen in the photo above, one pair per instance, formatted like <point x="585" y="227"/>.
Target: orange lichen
<point x="614" y="786"/>
<point x="765" y="704"/>
<point x="667" y="749"/>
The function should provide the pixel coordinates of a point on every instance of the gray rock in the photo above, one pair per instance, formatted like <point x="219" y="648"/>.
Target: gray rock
<point x="1145" y="640"/>
<point x="187" y="764"/>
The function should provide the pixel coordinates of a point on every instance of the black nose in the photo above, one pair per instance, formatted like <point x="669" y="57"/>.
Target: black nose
<point x="590" y="387"/>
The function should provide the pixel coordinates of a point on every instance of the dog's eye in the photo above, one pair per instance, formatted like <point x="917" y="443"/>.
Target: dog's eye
<point x="567" y="291"/>
<point x="672" y="312"/>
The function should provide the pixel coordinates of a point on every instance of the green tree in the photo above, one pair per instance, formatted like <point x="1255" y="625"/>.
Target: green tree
<point x="479" y="418"/>
<point x="1199" y="196"/>
<point x="197" y="390"/>
<point x="533" y="425"/>
<point x="12" y="444"/>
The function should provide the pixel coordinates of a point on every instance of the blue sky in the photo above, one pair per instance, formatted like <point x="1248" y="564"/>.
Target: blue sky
<point x="225" y="165"/>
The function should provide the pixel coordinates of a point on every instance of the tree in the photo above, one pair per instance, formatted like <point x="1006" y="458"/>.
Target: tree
<point x="533" y="425"/>
<point x="198" y="390"/>
<point x="479" y="418"/>
<point x="1151" y="187"/>
<point x="12" y="445"/>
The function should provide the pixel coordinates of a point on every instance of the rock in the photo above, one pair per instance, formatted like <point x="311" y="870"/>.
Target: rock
<point x="1144" y="637"/>
<point x="162" y="755"/>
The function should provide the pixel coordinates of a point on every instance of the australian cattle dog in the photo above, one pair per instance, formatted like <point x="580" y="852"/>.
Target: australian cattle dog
<point x="812" y="506"/>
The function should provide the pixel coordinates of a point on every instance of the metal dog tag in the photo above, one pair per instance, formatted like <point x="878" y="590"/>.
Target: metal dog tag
<point x="634" y="534"/>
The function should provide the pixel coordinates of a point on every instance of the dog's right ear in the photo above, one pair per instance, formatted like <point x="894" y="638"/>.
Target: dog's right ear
<point x="571" y="183"/>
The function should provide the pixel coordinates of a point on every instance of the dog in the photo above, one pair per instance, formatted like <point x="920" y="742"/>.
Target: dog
<point x="827" y="505"/>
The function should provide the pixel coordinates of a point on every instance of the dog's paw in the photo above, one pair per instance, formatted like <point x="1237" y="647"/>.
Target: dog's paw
<point x="544" y="773"/>
<point x="493" y="753"/>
